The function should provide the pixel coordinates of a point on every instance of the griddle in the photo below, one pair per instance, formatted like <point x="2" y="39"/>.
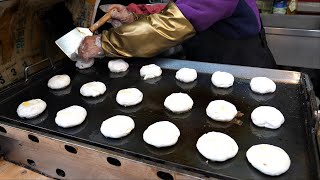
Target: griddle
<point x="294" y="98"/>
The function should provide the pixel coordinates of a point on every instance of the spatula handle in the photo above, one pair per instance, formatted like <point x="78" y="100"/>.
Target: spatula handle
<point x="102" y="20"/>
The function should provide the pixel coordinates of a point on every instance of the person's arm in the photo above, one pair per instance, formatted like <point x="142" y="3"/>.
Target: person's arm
<point x="133" y="12"/>
<point x="203" y="14"/>
<point x="155" y="33"/>
<point x="149" y="35"/>
<point x="146" y="37"/>
<point x="119" y="17"/>
<point x="145" y="9"/>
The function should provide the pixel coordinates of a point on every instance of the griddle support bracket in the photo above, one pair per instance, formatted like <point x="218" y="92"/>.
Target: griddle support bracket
<point x="26" y="70"/>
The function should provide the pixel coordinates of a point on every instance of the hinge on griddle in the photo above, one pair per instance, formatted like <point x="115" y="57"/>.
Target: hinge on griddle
<point x="26" y="70"/>
<point x="317" y="115"/>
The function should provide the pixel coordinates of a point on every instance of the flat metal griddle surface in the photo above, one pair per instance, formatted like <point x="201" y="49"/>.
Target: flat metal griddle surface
<point x="291" y="136"/>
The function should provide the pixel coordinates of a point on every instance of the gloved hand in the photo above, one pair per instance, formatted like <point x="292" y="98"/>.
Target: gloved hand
<point x="90" y="48"/>
<point x="122" y="16"/>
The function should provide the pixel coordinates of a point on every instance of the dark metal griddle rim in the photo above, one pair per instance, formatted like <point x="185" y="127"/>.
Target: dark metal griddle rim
<point x="312" y="126"/>
<point x="243" y="72"/>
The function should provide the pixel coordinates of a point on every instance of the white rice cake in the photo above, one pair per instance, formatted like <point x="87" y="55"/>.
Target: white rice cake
<point x="118" y="65"/>
<point x="117" y="126"/>
<point x="222" y="79"/>
<point x="262" y="85"/>
<point x="186" y="75"/>
<point x="32" y="108"/>
<point x="150" y="71"/>
<point x="268" y="159"/>
<point x="129" y="97"/>
<point x="221" y="110"/>
<point x="93" y="89"/>
<point x="71" y="116"/>
<point x="161" y="134"/>
<point x="59" y="81"/>
<point x="178" y="102"/>
<point x="217" y="146"/>
<point x="268" y="117"/>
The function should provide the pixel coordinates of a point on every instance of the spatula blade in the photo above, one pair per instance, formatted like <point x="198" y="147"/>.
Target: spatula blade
<point x="70" y="42"/>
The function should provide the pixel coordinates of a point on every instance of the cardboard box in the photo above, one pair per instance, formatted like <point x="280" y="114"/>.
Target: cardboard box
<point x="24" y="35"/>
<point x="83" y="11"/>
<point x="23" y="39"/>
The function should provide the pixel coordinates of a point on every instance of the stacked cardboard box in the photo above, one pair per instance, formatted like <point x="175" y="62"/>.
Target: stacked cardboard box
<point x="25" y="37"/>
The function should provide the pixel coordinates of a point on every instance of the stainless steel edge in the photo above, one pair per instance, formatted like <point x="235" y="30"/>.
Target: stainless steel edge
<point x="309" y="6"/>
<point x="292" y="21"/>
<point x="293" y="32"/>
<point x="290" y="77"/>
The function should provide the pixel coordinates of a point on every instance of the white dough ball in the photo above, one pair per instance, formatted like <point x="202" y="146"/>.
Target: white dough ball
<point x="178" y="102"/>
<point x="222" y="79"/>
<point x="262" y="85"/>
<point x="93" y="89"/>
<point x="268" y="159"/>
<point x="59" y="81"/>
<point x="161" y="134"/>
<point x="217" y="146"/>
<point x="117" y="126"/>
<point x="150" y="71"/>
<point x="267" y="116"/>
<point x="186" y="75"/>
<point x="221" y="110"/>
<point x="32" y="108"/>
<point x="71" y="116"/>
<point x="129" y="97"/>
<point x="84" y="65"/>
<point x="118" y="66"/>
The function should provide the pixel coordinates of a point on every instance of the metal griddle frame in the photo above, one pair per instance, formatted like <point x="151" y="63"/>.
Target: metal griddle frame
<point x="63" y="158"/>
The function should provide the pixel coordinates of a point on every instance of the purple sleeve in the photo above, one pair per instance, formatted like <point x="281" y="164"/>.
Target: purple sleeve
<point x="204" y="13"/>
